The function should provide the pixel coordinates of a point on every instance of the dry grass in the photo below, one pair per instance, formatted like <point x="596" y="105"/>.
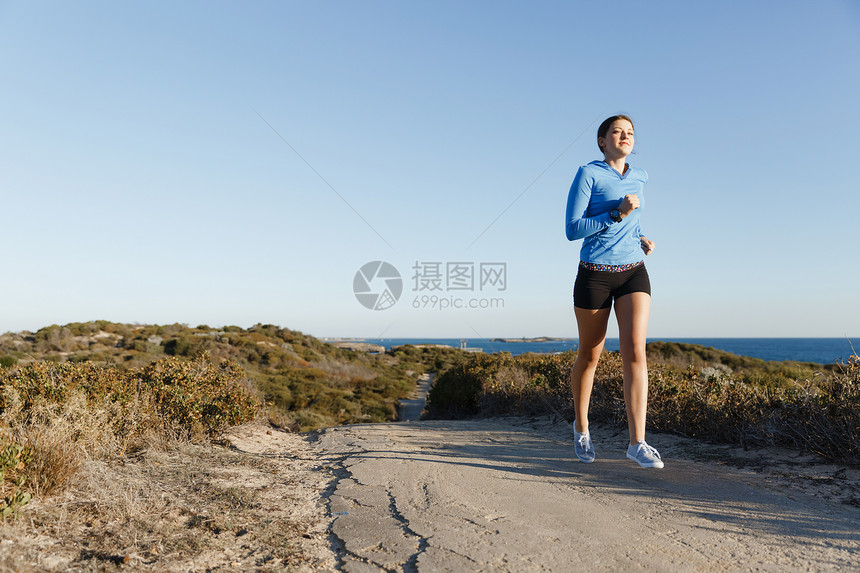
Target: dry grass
<point x="192" y="507"/>
<point x="60" y="437"/>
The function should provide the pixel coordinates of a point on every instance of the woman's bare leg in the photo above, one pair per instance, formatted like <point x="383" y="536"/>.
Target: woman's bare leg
<point x="592" y="334"/>
<point x="632" y="312"/>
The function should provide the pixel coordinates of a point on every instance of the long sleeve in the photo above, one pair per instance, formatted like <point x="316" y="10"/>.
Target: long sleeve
<point x="577" y="224"/>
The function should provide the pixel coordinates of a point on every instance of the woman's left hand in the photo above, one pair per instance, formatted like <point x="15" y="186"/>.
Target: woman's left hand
<point x="647" y="246"/>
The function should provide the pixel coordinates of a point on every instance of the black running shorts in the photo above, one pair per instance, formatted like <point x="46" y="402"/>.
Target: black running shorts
<point x="596" y="289"/>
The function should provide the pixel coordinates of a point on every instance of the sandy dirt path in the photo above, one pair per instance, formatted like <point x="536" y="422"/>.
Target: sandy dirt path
<point x="508" y="495"/>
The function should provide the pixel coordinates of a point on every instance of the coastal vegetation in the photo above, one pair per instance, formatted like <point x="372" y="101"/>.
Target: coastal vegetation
<point x="102" y="390"/>
<point x="303" y="382"/>
<point x="695" y="391"/>
<point x="105" y="391"/>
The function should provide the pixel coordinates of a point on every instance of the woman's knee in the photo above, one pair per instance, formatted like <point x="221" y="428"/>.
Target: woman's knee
<point x="589" y="356"/>
<point x="634" y="354"/>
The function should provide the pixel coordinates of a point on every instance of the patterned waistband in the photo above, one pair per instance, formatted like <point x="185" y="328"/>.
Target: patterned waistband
<point x="608" y="268"/>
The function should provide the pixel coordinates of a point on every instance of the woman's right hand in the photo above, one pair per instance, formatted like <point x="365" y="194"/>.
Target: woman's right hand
<point x="628" y="204"/>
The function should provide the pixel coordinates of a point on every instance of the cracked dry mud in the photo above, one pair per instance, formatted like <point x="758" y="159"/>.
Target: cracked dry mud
<point x="507" y="495"/>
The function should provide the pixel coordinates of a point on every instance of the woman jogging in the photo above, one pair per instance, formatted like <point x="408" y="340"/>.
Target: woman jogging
<point x="603" y="209"/>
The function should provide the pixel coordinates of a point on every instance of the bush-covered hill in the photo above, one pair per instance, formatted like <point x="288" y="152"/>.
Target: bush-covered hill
<point x="305" y="382"/>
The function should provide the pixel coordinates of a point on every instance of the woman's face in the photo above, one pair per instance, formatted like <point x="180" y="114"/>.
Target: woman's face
<point x="618" y="141"/>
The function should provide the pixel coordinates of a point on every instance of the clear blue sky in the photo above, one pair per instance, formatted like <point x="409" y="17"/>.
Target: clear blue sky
<point x="234" y="163"/>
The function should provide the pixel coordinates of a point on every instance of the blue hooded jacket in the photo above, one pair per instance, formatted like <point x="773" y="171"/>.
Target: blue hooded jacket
<point x="596" y="190"/>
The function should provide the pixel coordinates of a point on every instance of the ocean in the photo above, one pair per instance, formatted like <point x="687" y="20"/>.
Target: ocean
<point x="819" y="350"/>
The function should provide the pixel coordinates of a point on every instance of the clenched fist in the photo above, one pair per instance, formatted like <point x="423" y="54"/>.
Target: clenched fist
<point x="628" y="204"/>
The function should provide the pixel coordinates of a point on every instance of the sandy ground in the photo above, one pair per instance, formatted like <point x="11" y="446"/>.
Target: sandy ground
<point x="508" y="495"/>
<point x="481" y="495"/>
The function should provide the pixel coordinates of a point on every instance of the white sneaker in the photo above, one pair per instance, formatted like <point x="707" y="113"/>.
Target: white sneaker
<point x="644" y="455"/>
<point x="582" y="446"/>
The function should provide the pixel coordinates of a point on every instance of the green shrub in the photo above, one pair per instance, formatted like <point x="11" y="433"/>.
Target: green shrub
<point x="198" y="396"/>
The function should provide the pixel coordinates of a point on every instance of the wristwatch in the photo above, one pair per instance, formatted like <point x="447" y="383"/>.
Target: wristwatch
<point x="615" y="215"/>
